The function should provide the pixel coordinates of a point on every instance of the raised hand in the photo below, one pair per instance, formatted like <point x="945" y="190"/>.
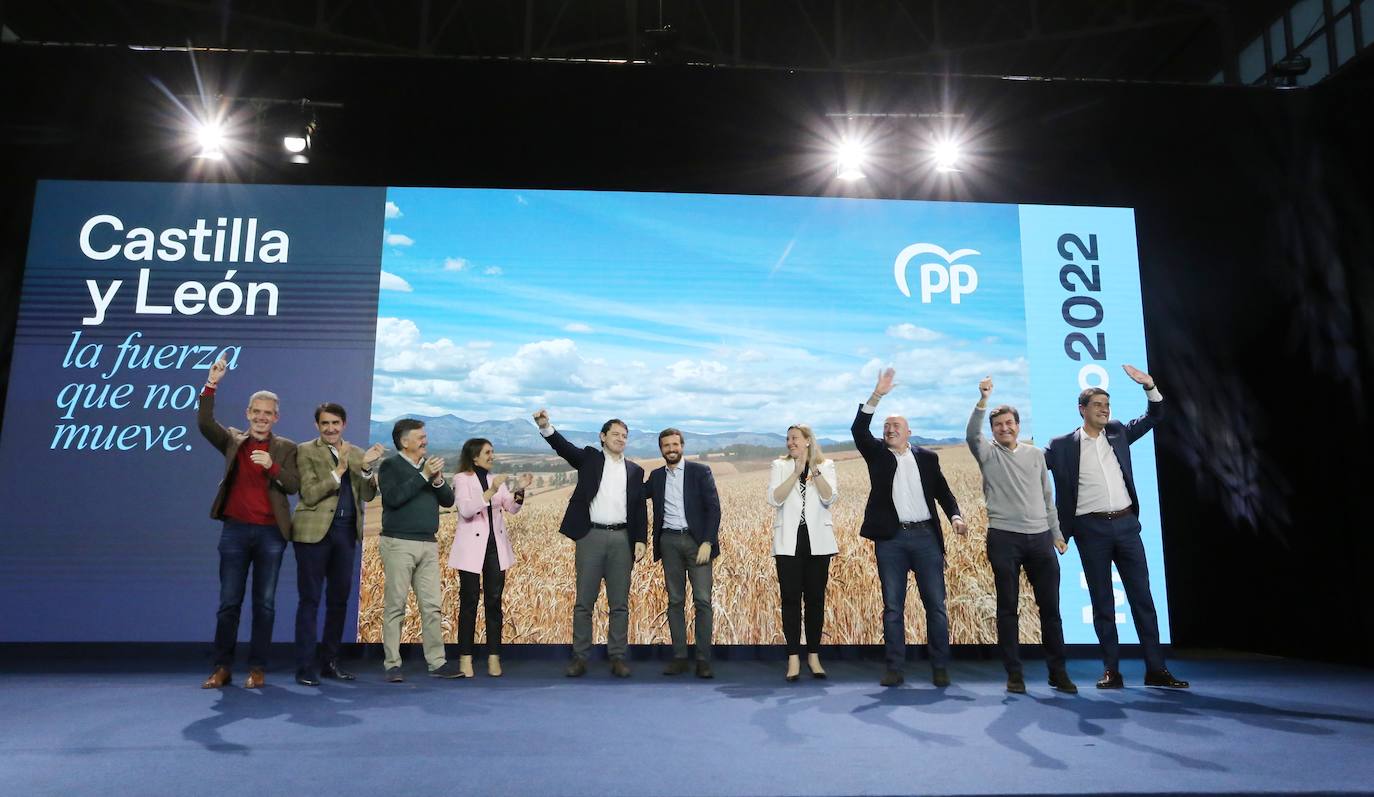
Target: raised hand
<point x="261" y="458"/>
<point x="541" y="418"/>
<point x="523" y="481"/>
<point x="985" y="387"/>
<point x="343" y="448"/>
<point x="798" y="465"/>
<point x="885" y="380"/>
<point x="496" y="480"/>
<point x="1138" y="376"/>
<point x="433" y="467"/>
<point x="373" y="454"/>
<point x="217" y="369"/>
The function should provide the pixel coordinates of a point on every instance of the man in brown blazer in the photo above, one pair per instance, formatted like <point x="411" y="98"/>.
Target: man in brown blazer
<point x="259" y="472"/>
<point x="337" y="479"/>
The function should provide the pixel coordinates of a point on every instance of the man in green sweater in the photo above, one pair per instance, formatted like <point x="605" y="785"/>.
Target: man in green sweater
<point x="413" y="488"/>
<point x="1023" y="532"/>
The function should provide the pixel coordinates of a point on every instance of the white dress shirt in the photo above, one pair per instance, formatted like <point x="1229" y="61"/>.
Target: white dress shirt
<point x="1101" y="484"/>
<point x="608" y="507"/>
<point x="908" y="496"/>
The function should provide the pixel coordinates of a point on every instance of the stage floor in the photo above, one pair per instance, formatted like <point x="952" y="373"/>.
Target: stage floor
<point x="1247" y="726"/>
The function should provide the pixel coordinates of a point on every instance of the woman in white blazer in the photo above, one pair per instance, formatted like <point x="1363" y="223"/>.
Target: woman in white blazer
<point x="801" y="487"/>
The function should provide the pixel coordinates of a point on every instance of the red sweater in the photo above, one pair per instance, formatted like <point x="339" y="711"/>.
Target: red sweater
<point x="247" y="500"/>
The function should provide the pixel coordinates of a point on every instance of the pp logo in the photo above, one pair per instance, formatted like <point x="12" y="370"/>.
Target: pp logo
<point x="959" y="279"/>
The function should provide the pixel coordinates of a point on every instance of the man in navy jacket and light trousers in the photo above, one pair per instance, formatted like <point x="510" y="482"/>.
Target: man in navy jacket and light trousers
<point x="686" y="528"/>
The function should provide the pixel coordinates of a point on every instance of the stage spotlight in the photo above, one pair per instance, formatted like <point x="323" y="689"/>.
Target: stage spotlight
<point x="850" y="161"/>
<point x="1291" y="68"/>
<point x="946" y="156"/>
<point x="210" y="138"/>
<point x="298" y="136"/>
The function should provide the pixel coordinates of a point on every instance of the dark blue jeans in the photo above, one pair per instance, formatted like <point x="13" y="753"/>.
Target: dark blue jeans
<point x="324" y="567"/>
<point x="243" y="546"/>
<point x="1101" y="543"/>
<point x="917" y="551"/>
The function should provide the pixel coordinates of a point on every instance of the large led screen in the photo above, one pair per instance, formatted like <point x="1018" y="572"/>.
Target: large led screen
<point x="729" y="317"/>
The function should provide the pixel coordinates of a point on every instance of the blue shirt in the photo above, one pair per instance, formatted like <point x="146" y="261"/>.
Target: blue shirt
<point x="674" y="515"/>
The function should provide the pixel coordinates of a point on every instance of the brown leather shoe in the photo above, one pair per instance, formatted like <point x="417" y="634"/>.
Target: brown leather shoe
<point x="619" y="668"/>
<point x="256" y="678"/>
<point x="218" y="678"/>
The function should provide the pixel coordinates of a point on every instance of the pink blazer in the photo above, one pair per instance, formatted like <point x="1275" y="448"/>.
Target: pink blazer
<point x="470" y="540"/>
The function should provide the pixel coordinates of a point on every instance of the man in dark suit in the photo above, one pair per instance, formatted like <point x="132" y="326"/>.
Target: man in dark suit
<point x="686" y="528"/>
<point x="337" y="480"/>
<point x="259" y="472"/>
<point x="1096" y="500"/>
<point x="905" y="484"/>
<point x="608" y="521"/>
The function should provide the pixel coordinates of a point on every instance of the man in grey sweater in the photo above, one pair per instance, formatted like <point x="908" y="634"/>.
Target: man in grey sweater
<point x="1023" y="531"/>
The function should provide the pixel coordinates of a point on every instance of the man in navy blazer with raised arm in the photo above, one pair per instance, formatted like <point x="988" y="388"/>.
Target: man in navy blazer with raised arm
<point x="608" y="521"/>
<point x="905" y="483"/>
<point x="1094" y="493"/>
<point x="686" y="528"/>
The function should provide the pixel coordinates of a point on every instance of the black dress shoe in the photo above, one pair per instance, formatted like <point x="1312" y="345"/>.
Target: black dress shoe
<point x="1060" y="680"/>
<point x="704" y="669"/>
<point x="1016" y="683"/>
<point x="331" y="670"/>
<point x="676" y="667"/>
<point x="1111" y="679"/>
<point x="1165" y="679"/>
<point x="394" y="676"/>
<point x="307" y="677"/>
<point x="892" y="678"/>
<point x="576" y="668"/>
<point x="940" y="677"/>
<point x="448" y="669"/>
<point x="619" y="668"/>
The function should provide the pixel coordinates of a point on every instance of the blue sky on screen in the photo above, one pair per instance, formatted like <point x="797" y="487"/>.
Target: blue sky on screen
<point x="709" y="312"/>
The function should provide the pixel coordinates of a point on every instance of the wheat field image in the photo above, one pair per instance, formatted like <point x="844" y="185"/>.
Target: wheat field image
<point x="539" y="586"/>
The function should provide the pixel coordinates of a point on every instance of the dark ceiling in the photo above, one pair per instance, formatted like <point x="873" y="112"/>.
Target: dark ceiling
<point x="1136" y="40"/>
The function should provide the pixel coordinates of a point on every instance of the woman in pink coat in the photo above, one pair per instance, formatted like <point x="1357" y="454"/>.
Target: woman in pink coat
<point x="481" y="550"/>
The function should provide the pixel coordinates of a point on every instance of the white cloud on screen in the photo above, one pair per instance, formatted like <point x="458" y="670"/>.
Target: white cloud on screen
<point x="751" y="389"/>
<point x="576" y="326"/>
<point x="393" y="211"/>
<point x="454" y="264"/>
<point x="493" y="271"/>
<point x="397" y="239"/>
<point x="391" y="282"/>
<point x="913" y="332"/>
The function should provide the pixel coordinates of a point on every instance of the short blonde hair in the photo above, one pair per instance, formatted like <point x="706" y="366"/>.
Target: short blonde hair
<point x="814" y="456"/>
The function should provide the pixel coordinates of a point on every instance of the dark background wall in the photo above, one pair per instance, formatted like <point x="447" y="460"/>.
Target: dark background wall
<point x="1255" y="213"/>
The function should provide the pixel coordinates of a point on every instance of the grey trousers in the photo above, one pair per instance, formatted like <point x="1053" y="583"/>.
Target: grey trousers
<point x="679" y="555"/>
<point x="603" y="555"/>
<point x="411" y="564"/>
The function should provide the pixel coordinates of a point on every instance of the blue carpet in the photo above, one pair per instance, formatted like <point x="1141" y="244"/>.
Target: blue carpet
<point x="1247" y="726"/>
